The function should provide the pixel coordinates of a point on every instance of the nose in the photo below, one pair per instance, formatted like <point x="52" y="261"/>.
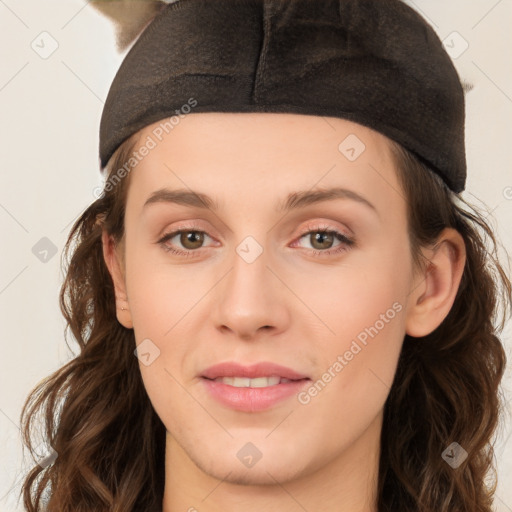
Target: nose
<point x="251" y="300"/>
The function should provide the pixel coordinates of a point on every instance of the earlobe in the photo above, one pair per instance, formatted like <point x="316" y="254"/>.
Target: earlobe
<point x="114" y="266"/>
<point x="435" y="290"/>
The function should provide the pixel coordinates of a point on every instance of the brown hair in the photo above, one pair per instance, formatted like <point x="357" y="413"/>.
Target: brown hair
<point x="447" y="384"/>
<point x="110" y="443"/>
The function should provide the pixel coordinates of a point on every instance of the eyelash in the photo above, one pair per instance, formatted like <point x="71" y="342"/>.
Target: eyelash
<point x="347" y="242"/>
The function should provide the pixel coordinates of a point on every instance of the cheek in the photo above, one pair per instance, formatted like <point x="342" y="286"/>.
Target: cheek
<point x="353" y="296"/>
<point x="160" y="294"/>
<point x="162" y="300"/>
<point x="364" y="309"/>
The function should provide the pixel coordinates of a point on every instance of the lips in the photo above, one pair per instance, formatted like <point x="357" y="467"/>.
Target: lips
<point x="263" y="369"/>
<point x="252" y="388"/>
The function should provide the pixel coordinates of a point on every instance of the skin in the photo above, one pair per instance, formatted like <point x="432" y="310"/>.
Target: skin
<point x="289" y="306"/>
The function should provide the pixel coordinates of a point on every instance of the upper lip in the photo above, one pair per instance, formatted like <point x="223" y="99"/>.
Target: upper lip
<point x="262" y="369"/>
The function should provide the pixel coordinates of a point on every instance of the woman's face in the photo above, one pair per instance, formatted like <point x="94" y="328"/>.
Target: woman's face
<point x="253" y="280"/>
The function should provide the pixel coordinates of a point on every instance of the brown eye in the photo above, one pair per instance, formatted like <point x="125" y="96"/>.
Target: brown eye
<point x="321" y="240"/>
<point x="191" y="239"/>
<point x="184" y="241"/>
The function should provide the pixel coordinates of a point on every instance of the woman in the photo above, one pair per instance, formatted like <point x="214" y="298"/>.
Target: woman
<point x="282" y="245"/>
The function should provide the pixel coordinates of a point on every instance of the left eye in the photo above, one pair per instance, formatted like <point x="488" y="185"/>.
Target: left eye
<point x="322" y="239"/>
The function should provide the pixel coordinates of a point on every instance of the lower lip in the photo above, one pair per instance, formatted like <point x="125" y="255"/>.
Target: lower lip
<point x="253" y="399"/>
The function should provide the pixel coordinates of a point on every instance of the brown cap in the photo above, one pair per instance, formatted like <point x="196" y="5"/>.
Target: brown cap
<point x="374" y="62"/>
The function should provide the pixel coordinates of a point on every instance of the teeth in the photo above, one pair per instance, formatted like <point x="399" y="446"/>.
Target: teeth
<point x="246" y="382"/>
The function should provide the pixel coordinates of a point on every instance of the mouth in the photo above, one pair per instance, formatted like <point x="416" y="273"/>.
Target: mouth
<point x="257" y="382"/>
<point x="264" y="369"/>
<point x="252" y="388"/>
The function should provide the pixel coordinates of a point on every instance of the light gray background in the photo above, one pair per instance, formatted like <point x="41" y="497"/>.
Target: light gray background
<point x="50" y="111"/>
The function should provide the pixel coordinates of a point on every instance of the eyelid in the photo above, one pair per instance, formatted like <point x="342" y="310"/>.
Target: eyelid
<point x="325" y="226"/>
<point x="192" y="225"/>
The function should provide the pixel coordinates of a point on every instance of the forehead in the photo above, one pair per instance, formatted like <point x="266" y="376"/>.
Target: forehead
<point x="259" y="157"/>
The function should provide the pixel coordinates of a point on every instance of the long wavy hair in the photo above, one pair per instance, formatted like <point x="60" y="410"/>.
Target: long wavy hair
<point x="110" y="443"/>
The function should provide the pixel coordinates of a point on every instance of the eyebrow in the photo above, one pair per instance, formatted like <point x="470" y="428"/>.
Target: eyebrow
<point x="293" y="201"/>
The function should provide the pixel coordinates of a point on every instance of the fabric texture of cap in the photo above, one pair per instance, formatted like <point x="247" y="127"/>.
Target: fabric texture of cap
<point x="374" y="62"/>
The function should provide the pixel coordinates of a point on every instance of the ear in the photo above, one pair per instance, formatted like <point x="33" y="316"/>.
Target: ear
<point x="130" y="17"/>
<point x="436" y="287"/>
<point x="115" y="264"/>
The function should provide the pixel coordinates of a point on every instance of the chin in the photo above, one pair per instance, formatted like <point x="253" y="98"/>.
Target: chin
<point x="269" y="466"/>
<point x="260" y="474"/>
